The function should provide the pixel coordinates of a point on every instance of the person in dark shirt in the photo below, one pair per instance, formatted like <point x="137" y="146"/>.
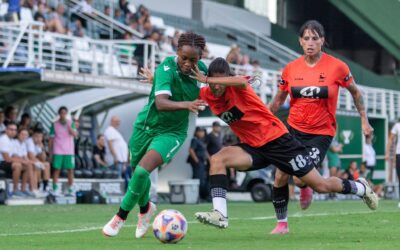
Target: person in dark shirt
<point x="99" y="151"/>
<point x="214" y="139"/>
<point x="198" y="160"/>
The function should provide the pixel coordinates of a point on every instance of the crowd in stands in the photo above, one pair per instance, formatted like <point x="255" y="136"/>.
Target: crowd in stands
<point x="30" y="156"/>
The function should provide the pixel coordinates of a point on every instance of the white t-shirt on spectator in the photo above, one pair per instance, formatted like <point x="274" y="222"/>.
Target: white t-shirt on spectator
<point x="32" y="147"/>
<point x="19" y="149"/>
<point x="119" y="145"/>
<point x="396" y="131"/>
<point x="369" y="155"/>
<point x="6" y="146"/>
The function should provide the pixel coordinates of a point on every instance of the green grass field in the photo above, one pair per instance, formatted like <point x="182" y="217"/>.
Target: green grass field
<point x="326" y="225"/>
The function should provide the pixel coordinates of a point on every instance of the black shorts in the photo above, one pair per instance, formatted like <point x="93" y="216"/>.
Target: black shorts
<point x="285" y="152"/>
<point x="317" y="145"/>
<point x="7" y="168"/>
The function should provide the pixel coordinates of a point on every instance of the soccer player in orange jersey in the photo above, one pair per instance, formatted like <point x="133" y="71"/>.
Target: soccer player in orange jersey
<point x="312" y="81"/>
<point x="264" y="140"/>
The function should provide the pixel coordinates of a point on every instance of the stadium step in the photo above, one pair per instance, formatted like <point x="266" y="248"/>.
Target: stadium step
<point x="25" y="201"/>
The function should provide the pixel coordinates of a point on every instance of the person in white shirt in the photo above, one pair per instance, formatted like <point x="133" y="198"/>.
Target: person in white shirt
<point x="37" y="154"/>
<point x="369" y="157"/>
<point x="20" y="154"/>
<point x="395" y="132"/>
<point x="116" y="147"/>
<point x="9" y="165"/>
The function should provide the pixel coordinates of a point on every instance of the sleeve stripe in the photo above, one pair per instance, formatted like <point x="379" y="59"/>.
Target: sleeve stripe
<point x="162" y="92"/>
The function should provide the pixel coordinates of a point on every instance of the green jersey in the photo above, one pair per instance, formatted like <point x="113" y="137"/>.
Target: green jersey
<point x="180" y="87"/>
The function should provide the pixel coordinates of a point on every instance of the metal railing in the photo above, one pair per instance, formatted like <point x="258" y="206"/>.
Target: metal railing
<point x="26" y="44"/>
<point x="101" y="21"/>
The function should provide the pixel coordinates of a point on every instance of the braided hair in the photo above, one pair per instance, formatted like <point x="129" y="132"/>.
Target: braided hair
<point x="193" y="40"/>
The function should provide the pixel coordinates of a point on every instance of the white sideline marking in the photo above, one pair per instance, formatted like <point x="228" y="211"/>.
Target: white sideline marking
<point x="86" y="229"/>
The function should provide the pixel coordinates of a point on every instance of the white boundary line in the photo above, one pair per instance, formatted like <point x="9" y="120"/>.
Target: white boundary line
<point x="86" y="229"/>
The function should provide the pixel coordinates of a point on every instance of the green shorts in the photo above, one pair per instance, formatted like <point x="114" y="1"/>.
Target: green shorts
<point x="63" y="161"/>
<point x="333" y="160"/>
<point x="167" y="145"/>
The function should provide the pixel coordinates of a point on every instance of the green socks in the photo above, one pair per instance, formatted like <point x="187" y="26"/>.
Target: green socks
<point x="138" y="189"/>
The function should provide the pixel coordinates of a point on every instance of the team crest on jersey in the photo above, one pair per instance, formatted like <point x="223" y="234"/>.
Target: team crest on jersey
<point x="314" y="92"/>
<point x="232" y="115"/>
<point x="281" y="81"/>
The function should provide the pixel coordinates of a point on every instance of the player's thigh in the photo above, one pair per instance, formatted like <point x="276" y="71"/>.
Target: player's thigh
<point x="288" y="155"/>
<point x="233" y="157"/>
<point x="167" y="145"/>
<point x="138" y="145"/>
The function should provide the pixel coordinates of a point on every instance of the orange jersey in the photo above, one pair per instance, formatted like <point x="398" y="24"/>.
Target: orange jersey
<point x="246" y="114"/>
<point x="314" y="92"/>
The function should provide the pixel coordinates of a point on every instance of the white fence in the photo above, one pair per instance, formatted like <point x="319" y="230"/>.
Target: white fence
<point x="26" y="44"/>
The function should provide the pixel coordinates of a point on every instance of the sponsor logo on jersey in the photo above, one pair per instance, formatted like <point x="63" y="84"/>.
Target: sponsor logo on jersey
<point x="232" y="115"/>
<point x="314" y="92"/>
<point x="166" y="67"/>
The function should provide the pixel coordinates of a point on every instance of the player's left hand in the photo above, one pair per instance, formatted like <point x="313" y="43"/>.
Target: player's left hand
<point x="147" y="75"/>
<point x="368" y="130"/>
<point x="196" y="74"/>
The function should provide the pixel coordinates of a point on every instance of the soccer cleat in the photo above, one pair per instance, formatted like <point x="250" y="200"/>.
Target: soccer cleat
<point x="112" y="228"/>
<point x="306" y="195"/>
<point x="214" y="218"/>
<point x="144" y="220"/>
<point x="281" y="228"/>
<point x="370" y="198"/>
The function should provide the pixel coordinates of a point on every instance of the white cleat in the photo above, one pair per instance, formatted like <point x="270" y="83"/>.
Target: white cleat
<point x="144" y="220"/>
<point x="112" y="228"/>
<point x="214" y="218"/>
<point x="370" y="198"/>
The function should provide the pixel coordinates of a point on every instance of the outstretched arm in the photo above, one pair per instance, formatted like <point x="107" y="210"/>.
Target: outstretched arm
<point x="236" y="81"/>
<point x="163" y="103"/>
<point x="359" y="103"/>
<point x="278" y="100"/>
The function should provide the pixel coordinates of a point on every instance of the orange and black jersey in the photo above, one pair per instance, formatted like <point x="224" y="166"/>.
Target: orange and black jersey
<point x="246" y="114"/>
<point x="314" y="92"/>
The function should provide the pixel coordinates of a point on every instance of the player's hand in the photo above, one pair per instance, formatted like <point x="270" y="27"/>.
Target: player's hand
<point x="196" y="105"/>
<point x="387" y="157"/>
<point x="196" y="74"/>
<point x="147" y="74"/>
<point x="368" y="130"/>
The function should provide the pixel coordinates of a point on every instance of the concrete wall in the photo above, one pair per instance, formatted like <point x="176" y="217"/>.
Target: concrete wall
<point x="229" y="16"/>
<point x="182" y="8"/>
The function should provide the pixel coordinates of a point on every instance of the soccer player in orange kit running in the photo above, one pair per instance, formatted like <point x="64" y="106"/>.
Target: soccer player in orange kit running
<point x="313" y="82"/>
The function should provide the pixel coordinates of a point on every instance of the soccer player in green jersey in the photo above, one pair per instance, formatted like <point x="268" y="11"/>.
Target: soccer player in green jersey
<point x="161" y="128"/>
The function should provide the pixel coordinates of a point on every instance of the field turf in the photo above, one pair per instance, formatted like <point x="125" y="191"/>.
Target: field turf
<point x="325" y="225"/>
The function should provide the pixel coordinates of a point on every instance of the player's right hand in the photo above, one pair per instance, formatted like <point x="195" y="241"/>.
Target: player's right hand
<point x="196" y="105"/>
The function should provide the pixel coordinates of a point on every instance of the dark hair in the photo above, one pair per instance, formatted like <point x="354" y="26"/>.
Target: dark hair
<point x="193" y="40"/>
<point x="38" y="131"/>
<point x="312" y="25"/>
<point x="62" y="108"/>
<point x="9" y="123"/>
<point x="98" y="136"/>
<point x="22" y="129"/>
<point x="219" y="66"/>
<point x="8" y="110"/>
<point x="25" y="116"/>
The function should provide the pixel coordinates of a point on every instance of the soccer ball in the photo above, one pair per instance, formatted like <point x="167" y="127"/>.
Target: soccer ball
<point x="170" y="226"/>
